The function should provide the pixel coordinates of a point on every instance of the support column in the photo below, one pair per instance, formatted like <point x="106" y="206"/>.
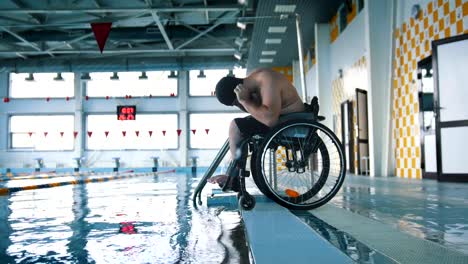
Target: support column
<point x="323" y="81"/>
<point x="183" y="84"/>
<point x="379" y="23"/>
<point x="4" y="85"/>
<point x="78" y="112"/>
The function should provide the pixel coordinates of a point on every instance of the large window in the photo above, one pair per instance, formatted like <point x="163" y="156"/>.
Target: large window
<point x="211" y="130"/>
<point x="39" y="132"/>
<point x="204" y="84"/>
<point x="41" y="85"/>
<point x="147" y="131"/>
<point x="121" y="84"/>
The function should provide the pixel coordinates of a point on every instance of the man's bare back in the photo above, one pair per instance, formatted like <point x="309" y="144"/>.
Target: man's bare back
<point x="290" y="100"/>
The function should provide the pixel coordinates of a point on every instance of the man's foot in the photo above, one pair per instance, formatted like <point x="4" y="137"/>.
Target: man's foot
<point x="226" y="182"/>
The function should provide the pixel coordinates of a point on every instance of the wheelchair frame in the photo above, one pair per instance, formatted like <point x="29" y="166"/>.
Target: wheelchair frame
<point x="255" y="142"/>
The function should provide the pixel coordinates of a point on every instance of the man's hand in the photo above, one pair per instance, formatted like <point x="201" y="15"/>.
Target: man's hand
<point x="241" y="93"/>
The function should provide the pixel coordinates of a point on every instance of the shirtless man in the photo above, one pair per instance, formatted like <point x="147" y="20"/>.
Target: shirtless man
<point x="265" y="94"/>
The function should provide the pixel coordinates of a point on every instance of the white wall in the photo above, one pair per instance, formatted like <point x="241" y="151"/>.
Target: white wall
<point x="349" y="47"/>
<point x="311" y="79"/>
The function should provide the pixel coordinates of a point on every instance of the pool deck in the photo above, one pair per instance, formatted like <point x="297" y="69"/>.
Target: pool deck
<point x="371" y="220"/>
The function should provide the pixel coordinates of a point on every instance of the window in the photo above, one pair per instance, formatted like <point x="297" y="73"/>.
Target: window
<point x="206" y="86"/>
<point x="129" y="83"/>
<point x="39" y="132"/>
<point x="343" y="14"/>
<point x="41" y="85"/>
<point x="218" y="129"/>
<point x="360" y="5"/>
<point x="147" y="131"/>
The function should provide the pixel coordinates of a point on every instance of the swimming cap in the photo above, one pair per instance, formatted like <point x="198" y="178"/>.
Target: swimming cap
<point x="225" y="89"/>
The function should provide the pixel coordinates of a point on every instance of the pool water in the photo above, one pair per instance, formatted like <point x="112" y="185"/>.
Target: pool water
<point x="81" y="224"/>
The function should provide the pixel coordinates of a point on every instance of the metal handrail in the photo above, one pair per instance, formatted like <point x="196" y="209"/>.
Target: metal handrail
<point x="214" y="165"/>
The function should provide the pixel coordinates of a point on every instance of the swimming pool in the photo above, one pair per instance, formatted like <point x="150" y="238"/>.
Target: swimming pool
<point x="84" y="224"/>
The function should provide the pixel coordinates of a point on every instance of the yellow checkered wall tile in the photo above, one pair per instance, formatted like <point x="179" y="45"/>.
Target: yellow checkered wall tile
<point x="439" y="19"/>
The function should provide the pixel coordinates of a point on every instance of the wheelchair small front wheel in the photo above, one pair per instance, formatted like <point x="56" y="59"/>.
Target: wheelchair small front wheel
<point x="247" y="202"/>
<point x="300" y="165"/>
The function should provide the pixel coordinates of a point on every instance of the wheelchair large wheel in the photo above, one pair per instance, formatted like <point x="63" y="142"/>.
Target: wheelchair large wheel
<point x="300" y="165"/>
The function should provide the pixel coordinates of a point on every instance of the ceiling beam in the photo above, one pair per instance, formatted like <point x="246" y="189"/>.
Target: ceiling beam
<point x="225" y="51"/>
<point x="121" y="10"/>
<point x="207" y="35"/>
<point x="161" y="28"/>
<point x="32" y="45"/>
<point x="21" y="5"/>
<point x="204" y="32"/>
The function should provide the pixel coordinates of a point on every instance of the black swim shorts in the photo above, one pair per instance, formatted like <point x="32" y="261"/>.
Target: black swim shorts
<point x="250" y="126"/>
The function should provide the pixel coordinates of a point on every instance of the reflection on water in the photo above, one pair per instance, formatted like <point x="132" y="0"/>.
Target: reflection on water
<point x="80" y="224"/>
<point x="356" y="250"/>
<point x="426" y="209"/>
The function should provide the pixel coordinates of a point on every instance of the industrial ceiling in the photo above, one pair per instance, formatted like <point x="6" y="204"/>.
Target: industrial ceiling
<point x="173" y="34"/>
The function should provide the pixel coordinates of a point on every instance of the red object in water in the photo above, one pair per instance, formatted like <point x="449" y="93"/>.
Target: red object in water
<point x="127" y="228"/>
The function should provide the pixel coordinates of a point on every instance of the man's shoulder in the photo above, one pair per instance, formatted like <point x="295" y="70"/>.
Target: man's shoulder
<point x="262" y="71"/>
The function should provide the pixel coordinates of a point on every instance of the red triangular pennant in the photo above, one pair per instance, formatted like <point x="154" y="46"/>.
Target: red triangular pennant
<point x="193" y="131"/>
<point x="124" y="133"/>
<point x="45" y="134"/>
<point x="48" y="99"/>
<point x="86" y="98"/>
<point x="101" y="33"/>
<point x="90" y="133"/>
<point x="137" y="133"/>
<point x="75" y="134"/>
<point x="61" y="134"/>
<point x="164" y="132"/>
<point x="179" y="131"/>
<point x="30" y="134"/>
<point x="107" y="97"/>
<point x="207" y="130"/>
<point x="106" y="133"/>
<point x="150" y="133"/>
<point x="68" y="98"/>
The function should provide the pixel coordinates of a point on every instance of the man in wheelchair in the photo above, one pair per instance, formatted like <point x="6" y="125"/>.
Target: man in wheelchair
<point x="264" y="94"/>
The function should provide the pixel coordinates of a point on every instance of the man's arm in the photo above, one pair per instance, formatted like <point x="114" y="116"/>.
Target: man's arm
<point x="269" y="108"/>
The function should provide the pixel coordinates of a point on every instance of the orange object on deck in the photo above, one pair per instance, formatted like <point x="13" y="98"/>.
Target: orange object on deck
<point x="291" y="193"/>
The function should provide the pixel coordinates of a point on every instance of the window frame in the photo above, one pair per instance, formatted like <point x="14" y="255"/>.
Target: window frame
<point x="84" y="88"/>
<point x="85" y="130"/>
<point x="189" y="141"/>
<point x="10" y="134"/>
<point x="8" y="93"/>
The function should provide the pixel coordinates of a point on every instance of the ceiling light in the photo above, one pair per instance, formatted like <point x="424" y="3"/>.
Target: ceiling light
<point x="240" y="41"/>
<point x="30" y="78"/>
<point x="143" y="76"/>
<point x="201" y="74"/>
<point x="268" y="52"/>
<point x="231" y="73"/>
<point x="263" y="60"/>
<point x="272" y="41"/>
<point x="243" y="2"/>
<point x="277" y="29"/>
<point x="172" y="75"/>
<point x="241" y="25"/>
<point x="59" y="77"/>
<point x="238" y="55"/>
<point x="85" y="76"/>
<point x="285" y="8"/>
<point x="115" y="76"/>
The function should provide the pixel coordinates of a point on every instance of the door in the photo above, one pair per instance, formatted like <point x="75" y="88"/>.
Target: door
<point x="427" y="119"/>
<point x="451" y="104"/>
<point x="347" y="133"/>
<point x="362" y="136"/>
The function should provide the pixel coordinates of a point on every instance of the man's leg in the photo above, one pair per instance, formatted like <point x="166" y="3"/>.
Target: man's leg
<point x="235" y="138"/>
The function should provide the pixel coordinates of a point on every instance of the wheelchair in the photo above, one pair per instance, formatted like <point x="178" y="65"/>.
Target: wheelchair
<point x="299" y="164"/>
